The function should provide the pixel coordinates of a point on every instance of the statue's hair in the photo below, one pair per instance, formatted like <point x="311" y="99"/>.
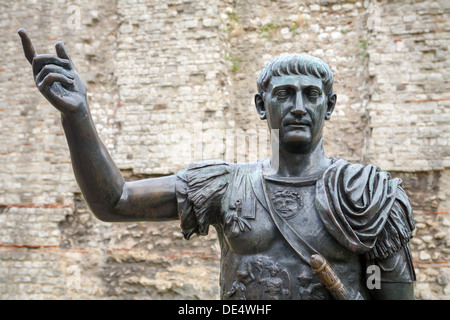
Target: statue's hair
<point x="296" y="64"/>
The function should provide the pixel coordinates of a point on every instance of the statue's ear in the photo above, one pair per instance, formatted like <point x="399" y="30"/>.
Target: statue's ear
<point x="332" y="98"/>
<point x="260" y="106"/>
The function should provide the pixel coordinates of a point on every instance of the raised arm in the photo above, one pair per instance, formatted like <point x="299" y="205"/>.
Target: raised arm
<point x="108" y="195"/>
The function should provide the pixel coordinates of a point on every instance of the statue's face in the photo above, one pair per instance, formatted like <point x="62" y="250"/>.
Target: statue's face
<point x="287" y="205"/>
<point x="297" y="106"/>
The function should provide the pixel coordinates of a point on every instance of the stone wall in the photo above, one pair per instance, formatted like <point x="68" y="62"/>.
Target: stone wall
<point x="171" y="82"/>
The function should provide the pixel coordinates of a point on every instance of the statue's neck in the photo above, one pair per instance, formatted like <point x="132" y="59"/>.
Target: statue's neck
<point x="286" y="163"/>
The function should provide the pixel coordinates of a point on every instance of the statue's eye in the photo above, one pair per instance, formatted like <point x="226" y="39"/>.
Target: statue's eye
<point x="282" y="94"/>
<point x="313" y="93"/>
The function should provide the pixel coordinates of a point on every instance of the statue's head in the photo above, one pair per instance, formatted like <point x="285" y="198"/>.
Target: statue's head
<point x="295" y="95"/>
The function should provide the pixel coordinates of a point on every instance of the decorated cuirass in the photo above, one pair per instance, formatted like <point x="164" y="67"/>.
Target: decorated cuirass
<point x="270" y="227"/>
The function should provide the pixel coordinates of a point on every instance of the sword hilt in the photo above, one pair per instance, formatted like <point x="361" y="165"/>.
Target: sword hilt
<point x="329" y="278"/>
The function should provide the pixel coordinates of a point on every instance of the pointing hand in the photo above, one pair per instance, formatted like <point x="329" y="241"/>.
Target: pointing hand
<point x="55" y="76"/>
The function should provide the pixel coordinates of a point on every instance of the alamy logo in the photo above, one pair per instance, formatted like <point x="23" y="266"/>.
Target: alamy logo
<point x="74" y="20"/>
<point x="373" y="23"/>
<point x="74" y="280"/>
<point x="373" y="277"/>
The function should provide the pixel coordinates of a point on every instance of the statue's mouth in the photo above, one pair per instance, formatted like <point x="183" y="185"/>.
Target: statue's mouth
<point x="297" y="123"/>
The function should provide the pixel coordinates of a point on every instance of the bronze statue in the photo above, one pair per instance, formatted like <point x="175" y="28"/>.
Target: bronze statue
<point x="298" y="225"/>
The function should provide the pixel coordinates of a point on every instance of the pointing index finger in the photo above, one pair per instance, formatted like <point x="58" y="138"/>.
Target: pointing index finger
<point x="28" y="48"/>
<point x="62" y="53"/>
<point x="61" y="50"/>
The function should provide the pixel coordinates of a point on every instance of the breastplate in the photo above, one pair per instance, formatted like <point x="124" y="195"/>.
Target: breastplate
<point x="258" y="263"/>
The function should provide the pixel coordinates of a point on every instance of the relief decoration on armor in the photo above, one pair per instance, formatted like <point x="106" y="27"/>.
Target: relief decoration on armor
<point x="262" y="278"/>
<point x="287" y="203"/>
<point x="236" y="220"/>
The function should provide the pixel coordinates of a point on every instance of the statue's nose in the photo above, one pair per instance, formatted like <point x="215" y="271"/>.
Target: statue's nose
<point x="298" y="109"/>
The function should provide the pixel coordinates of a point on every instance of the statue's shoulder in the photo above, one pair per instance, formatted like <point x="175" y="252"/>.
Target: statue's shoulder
<point x="202" y="187"/>
<point x="357" y="175"/>
<point x="205" y="171"/>
<point x="364" y="208"/>
<point x="208" y="163"/>
<point x="346" y="166"/>
<point x="199" y="190"/>
<point x="216" y="172"/>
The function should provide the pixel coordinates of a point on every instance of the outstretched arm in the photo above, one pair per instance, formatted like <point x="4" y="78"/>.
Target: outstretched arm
<point x="108" y="195"/>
